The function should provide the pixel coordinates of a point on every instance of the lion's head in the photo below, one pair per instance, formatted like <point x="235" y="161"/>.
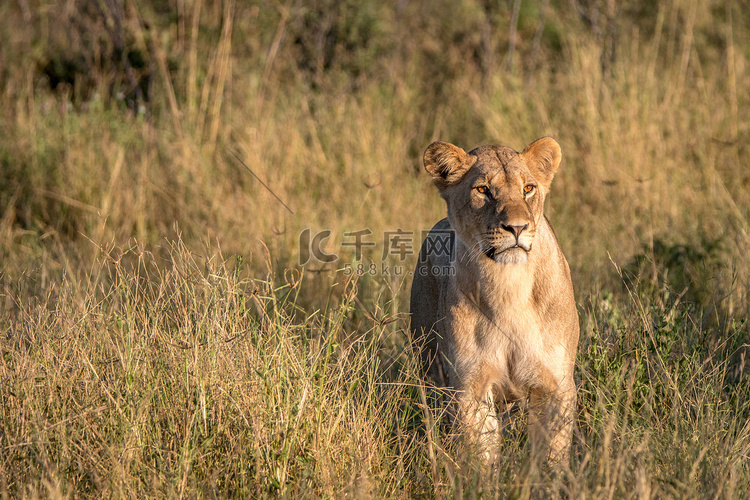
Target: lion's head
<point x="495" y="195"/>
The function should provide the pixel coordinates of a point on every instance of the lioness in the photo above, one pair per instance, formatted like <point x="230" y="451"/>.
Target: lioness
<point x="492" y="304"/>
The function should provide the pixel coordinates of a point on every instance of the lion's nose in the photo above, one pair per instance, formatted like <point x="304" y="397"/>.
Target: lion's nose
<point x="516" y="230"/>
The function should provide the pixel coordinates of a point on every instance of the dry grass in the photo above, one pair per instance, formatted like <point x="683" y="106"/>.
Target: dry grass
<point x="158" y="337"/>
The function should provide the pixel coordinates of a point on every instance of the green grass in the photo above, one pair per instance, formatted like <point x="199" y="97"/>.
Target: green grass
<point x="159" y="339"/>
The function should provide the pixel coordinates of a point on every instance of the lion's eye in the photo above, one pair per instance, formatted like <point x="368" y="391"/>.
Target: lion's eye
<point x="528" y="189"/>
<point x="483" y="190"/>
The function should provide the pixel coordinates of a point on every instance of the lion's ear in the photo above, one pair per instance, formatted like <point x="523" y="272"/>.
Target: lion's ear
<point x="543" y="158"/>
<point x="447" y="163"/>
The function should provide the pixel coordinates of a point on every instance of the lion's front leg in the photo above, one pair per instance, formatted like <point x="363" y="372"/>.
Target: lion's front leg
<point x="551" y="419"/>
<point x="479" y="422"/>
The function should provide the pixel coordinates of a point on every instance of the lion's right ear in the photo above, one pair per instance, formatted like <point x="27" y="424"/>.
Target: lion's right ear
<point x="447" y="163"/>
<point x="543" y="158"/>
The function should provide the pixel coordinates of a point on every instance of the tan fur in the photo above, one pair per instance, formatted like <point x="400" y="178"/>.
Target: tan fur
<point x="497" y="321"/>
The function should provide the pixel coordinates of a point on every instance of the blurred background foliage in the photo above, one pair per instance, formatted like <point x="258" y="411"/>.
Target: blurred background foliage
<point x="123" y="118"/>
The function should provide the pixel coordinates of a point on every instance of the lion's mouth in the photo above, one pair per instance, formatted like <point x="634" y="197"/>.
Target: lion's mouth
<point x="494" y="253"/>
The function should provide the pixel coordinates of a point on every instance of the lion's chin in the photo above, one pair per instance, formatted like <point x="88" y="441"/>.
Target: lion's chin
<point x="509" y="256"/>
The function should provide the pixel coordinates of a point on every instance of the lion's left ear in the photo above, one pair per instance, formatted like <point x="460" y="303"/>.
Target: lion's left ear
<point x="447" y="163"/>
<point x="543" y="158"/>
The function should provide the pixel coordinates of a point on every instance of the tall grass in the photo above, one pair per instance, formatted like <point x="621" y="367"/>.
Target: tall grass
<point x="158" y="336"/>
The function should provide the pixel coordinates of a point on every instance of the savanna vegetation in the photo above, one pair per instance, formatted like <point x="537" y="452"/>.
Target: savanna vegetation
<point x="160" y="160"/>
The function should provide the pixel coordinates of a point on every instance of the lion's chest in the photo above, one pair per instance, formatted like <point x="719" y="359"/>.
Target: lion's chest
<point x="499" y="339"/>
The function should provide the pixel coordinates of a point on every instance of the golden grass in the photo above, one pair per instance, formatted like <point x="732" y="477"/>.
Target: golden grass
<point x="158" y="338"/>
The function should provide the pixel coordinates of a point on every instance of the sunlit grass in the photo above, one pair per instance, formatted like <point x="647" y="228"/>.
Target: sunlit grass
<point x="159" y="339"/>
